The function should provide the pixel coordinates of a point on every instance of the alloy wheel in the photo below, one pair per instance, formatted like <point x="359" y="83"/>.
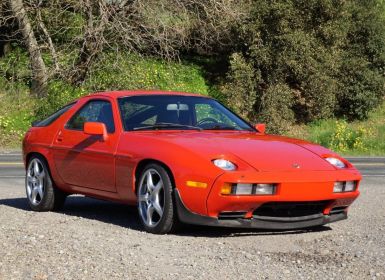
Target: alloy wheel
<point x="151" y="197"/>
<point x="35" y="183"/>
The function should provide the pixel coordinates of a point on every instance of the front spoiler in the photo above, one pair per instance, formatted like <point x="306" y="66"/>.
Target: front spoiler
<point x="258" y="222"/>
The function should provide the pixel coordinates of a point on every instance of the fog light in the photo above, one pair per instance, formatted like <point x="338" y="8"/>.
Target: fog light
<point x="350" y="186"/>
<point x="344" y="186"/>
<point x="264" y="189"/>
<point x="338" y="187"/>
<point x="244" y="189"/>
<point x="248" y="189"/>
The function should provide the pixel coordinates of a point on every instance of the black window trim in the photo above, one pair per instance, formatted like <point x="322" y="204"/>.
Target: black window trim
<point x="85" y="104"/>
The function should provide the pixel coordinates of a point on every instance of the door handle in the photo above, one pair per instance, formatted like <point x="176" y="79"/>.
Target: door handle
<point x="59" y="137"/>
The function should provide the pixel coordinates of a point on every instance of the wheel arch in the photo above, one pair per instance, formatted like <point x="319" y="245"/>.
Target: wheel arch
<point x="44" y="157"/>
<point x="30" y="154"/>
<point x="143" y="163"/>
<point x="47" y="162"/>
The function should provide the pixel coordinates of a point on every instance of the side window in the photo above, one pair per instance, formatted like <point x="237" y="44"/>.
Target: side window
<point x="54" y="116"/>
<point x="93" y="111"/>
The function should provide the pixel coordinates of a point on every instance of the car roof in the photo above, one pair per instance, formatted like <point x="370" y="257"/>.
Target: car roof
<point x="124" y="93"/>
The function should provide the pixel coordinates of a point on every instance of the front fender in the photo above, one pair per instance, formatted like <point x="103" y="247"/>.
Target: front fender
<point x="185" y="165"/>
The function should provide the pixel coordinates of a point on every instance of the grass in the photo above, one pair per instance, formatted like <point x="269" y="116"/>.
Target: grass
<point x="356" y="138"/>
<point x="18" y="109"/>
<point x="16" y="114"/>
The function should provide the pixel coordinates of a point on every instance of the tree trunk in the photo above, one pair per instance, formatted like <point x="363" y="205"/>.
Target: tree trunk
<point x="49" y="40"/>
<point x="93" y="41"/>
<point x="39" y="72"/>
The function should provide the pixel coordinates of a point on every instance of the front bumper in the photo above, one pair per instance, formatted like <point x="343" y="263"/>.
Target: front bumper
<point x="260" y="222"/>
<point x="310" y="186"/>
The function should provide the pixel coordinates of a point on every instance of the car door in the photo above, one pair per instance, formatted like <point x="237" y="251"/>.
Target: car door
<point x="88" y="160"/>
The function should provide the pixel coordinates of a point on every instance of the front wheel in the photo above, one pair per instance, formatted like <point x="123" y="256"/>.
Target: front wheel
<point x="155" y="203"/>
<point x="41" y="193"/>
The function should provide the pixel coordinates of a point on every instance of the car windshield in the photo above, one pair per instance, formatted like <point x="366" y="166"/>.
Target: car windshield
<point x="177" y="112"/>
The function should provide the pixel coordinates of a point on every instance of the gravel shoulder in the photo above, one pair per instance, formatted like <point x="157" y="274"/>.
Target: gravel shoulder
<point x="93" y="239"/>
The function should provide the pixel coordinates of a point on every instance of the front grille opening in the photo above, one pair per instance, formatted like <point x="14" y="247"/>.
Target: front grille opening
<point x="291" y="209"/>
<point x="228" y="215"/>
<point x="338" y="210"/>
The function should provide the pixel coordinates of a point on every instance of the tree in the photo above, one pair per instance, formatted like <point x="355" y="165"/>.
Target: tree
<point x="39" y="72"/>
<point x="323" y="58"/>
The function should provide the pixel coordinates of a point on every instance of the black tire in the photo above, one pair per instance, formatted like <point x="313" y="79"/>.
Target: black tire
<point x="49" y="198"/>
<point x="168" y="222"/>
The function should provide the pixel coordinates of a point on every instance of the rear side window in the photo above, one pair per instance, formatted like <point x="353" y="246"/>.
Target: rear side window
<point x="54" y="116"/>
<point x="93" y="111"/>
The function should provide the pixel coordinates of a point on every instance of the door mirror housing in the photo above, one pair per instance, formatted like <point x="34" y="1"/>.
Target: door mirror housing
<point x="261" y="127"/>
<point x="96" y="128"/>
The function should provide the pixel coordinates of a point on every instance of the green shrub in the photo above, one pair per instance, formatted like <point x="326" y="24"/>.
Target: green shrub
<point x="125" y="73"/>
<point x="241" y="89"/>
<point x="65" y="26"/>
<point x="114" y="72"/>
<point x="330" y="54"/>
<point x="346" y="138"/>
<point x="15" y="73"/>
<point x="59" y="94"/>
<point x="16" y="114"/>
<point x="361" y="89"/>
<point x="276" y="110"/>
<point x="354" y="138"/>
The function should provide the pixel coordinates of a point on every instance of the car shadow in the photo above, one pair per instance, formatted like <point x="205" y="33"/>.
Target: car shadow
<point x="89" y="208"/>
<point x="127" y="217"/>
<point x="213" y="232"/>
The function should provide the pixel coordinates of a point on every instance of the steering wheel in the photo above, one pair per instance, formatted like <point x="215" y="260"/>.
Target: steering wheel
<point x="206" y="120"/>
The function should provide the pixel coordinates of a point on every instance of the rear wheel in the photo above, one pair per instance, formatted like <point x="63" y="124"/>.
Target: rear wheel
<point x="155" y="203"/>
<point x="42" y="195"/>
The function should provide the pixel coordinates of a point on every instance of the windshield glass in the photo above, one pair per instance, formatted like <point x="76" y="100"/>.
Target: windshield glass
<point x="177" y="112"/>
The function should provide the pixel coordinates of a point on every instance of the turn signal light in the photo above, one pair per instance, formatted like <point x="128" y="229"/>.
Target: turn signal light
<point x="226" y="188"/>
<point x="196" y="184"/>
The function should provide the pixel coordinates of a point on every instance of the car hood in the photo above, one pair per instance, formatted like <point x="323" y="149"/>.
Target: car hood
<point x="263" y="152"/>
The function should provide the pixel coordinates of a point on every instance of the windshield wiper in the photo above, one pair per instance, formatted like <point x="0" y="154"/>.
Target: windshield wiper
<point x="221" y="127"/>
<point x="225" y="127"/>
<point x="166" y="125"/>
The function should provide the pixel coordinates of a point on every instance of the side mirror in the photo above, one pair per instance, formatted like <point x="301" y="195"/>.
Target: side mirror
<point x="96" y="128"/>
<point x="261" y="127"/>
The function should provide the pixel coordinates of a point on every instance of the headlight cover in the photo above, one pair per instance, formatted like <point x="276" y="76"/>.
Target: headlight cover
<point x="336" y="162"/>
<point x="224" y="164"/>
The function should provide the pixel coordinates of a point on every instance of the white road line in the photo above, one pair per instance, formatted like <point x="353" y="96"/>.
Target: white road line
<point x="369" y="164"/>
<point x="374" y="157"/>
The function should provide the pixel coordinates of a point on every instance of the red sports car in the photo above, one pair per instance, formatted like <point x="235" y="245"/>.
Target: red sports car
<point x="183" y="158"/>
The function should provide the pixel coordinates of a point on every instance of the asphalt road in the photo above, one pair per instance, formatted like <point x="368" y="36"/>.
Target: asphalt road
<point x="11" y="166"/>
<point x="93" y="239"/>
